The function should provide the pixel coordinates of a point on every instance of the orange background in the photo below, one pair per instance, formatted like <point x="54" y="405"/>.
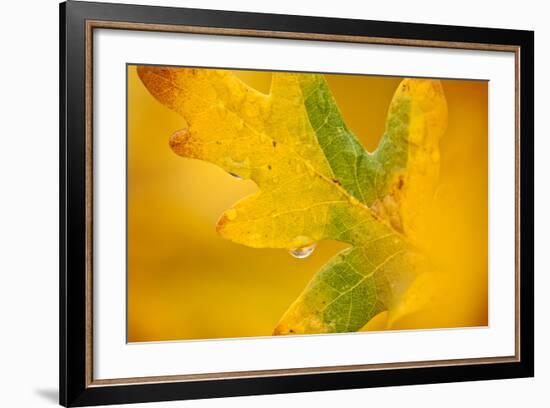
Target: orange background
<point x="186" y="282"/>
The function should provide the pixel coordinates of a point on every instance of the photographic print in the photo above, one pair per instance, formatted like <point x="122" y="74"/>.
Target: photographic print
<point x="288" y="203"/>
<point x="256" y="204"/>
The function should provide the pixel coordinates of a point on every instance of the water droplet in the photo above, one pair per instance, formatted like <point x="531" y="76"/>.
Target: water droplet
<point x="303" y="252"/>
<point x="235" y="176"/>
<point x="231" y="214"/>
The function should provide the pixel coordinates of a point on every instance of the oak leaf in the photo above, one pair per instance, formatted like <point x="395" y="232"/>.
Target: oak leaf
<point x="316" y="181"/>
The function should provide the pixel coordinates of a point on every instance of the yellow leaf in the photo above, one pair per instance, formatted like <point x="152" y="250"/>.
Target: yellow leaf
<point x="316" y="181"/>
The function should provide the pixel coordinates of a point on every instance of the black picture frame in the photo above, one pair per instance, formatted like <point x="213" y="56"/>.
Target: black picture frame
<point x="76" y="389"/>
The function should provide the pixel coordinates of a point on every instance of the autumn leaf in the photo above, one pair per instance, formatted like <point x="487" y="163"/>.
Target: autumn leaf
<point x="316" y="181"/>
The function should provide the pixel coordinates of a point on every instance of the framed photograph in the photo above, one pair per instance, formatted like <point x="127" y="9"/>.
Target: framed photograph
<point x="256" y="204"/>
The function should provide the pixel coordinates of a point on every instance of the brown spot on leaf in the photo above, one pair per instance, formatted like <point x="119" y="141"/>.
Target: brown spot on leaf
<point x="400" y="183"/>
<point x="184" y="144"/>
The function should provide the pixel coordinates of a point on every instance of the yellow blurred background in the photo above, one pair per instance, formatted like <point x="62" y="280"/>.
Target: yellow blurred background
<point x="186" y="282"/>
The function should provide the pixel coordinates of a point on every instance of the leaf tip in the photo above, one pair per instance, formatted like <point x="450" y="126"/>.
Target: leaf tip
<point x="150" y="75"/>
<point x="184" y="144"/>
<point x="429" y="95"/>
<point x="283" y="330"/>
<point x="226" y="218"/>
